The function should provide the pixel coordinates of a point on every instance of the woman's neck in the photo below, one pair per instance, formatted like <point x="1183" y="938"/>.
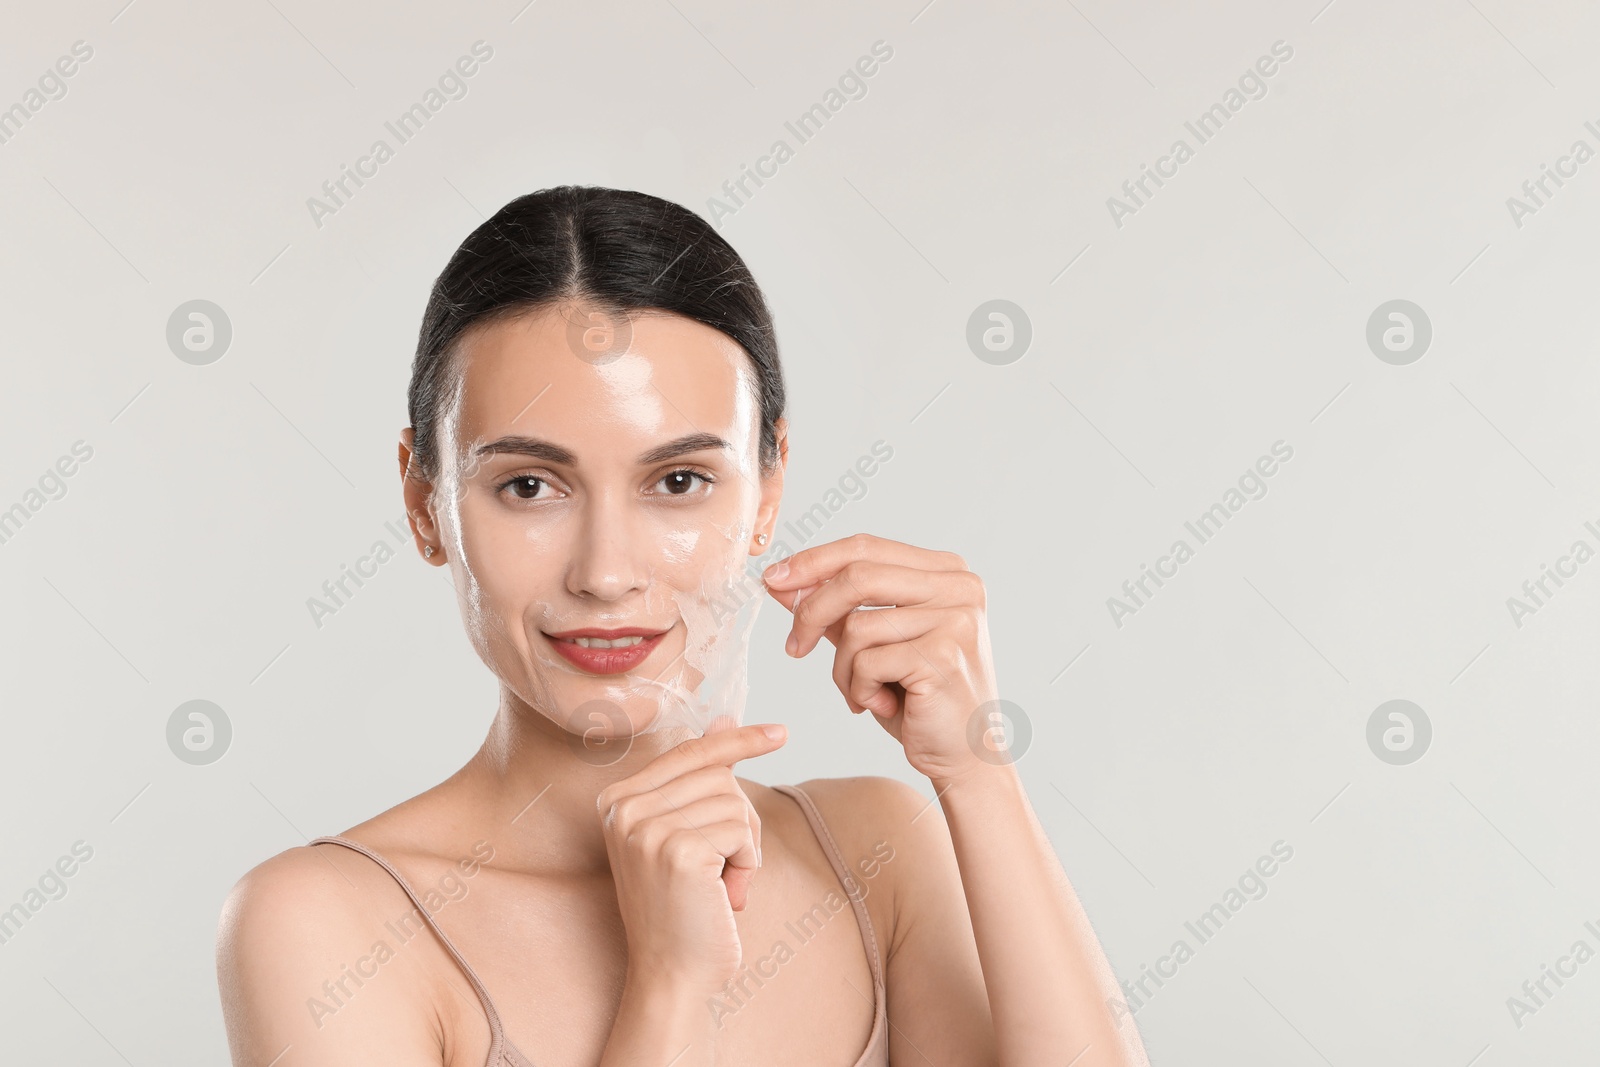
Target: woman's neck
<point x="533" y="787"/>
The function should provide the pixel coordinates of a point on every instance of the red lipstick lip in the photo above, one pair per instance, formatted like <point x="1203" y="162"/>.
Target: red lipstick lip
<point x="605" y="635"/>
<point x="606" y="660"/>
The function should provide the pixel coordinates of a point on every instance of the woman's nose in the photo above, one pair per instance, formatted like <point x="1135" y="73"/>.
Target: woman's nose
<point x="611" y="556"/>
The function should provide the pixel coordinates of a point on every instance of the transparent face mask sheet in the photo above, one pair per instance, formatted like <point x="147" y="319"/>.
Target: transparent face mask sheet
<point x="697" y="575"/>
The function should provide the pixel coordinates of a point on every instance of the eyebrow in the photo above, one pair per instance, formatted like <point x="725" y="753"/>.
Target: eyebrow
<point x="519" y="445"/>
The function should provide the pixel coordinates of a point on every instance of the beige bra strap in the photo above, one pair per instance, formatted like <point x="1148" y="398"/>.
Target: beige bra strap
<point x="496" y="1032"/>
<point x="846" y="878"/>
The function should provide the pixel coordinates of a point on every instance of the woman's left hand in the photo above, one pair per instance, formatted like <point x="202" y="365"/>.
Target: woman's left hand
<point x="918" y="658"/>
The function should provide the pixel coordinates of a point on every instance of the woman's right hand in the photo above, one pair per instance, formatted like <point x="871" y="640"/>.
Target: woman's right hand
<point x="684" y="843"/>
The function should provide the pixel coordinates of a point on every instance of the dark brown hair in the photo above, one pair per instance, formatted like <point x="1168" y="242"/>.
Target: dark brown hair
<point x="615" y="248"/>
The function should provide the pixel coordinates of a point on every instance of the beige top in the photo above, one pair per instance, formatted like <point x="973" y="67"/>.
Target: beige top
<point x="502" y="1053"/>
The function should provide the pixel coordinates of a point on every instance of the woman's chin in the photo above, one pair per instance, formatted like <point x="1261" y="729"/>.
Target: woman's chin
<point x="602" y="717"/>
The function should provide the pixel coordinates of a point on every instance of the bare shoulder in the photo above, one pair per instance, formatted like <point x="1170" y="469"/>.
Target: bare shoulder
<point x="867" y="803"/>
<point x="300" y="951"/>
<point x="274" y="909"/>
<point x="905" y="832"/>
<point x="886" y="826"/>
<point x="856" y="809"/>
<point x="873" y="811"/>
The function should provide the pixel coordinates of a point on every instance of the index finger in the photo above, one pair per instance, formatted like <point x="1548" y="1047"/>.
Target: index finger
<point x="721" y="748"/>
<point x="810" y="566"/>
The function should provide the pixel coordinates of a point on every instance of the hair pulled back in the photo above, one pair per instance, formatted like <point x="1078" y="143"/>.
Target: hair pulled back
<point x="616" y="249"/>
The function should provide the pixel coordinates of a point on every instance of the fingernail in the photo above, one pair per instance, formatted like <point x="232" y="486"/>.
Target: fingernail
<point x="758" y="855"/>
<point x="776" y="731"/>
<point x="777" y="572"/>
<point x="792" y="645"/>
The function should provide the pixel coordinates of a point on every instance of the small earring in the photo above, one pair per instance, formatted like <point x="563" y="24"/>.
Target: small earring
<point x="427" y="551"/>
<point x="761" y="539"/>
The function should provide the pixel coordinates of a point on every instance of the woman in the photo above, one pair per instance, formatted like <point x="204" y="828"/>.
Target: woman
<point x="596" y="450"/>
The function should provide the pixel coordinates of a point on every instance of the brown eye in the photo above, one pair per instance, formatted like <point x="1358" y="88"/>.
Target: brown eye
<point x="524" y="487"/>
<point x="682" y="482"/>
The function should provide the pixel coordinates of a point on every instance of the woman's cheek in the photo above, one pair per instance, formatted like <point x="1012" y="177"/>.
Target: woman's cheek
<point x="703" y="566"/>
<point x="507" y="562"/>
<point x="697" y="555"/>
<point x="678" y="546"/>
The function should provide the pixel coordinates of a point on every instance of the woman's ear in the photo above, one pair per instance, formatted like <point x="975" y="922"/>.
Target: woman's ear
<point x="771" y="492"/>
<point x="418" y="492"/>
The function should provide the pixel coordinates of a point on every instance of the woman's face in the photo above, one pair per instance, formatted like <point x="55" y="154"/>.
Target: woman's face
<point x="592" y="497"/>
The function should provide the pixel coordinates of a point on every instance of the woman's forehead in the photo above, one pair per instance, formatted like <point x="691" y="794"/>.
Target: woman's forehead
<point x="527" y="374"/>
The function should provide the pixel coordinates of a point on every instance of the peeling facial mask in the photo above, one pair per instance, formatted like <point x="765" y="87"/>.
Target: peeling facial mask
<point x="687" y="689"/>
<point x="681" y="572"/>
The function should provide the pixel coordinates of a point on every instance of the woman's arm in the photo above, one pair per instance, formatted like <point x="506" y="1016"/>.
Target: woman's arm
<point x="990" y="958"/>
<point x="660" y="1022"/>
<point x="920" y="662"/>
<point x="1051" y="991"/>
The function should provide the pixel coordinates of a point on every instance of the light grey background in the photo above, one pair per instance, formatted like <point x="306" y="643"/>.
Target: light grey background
<point x="1228" y="313"/>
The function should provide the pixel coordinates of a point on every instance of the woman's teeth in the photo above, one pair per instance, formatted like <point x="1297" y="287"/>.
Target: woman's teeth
<point x="600" y="642"/>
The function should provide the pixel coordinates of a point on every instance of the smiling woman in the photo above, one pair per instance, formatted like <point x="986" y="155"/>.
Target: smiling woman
<point x="597" y="451"/>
